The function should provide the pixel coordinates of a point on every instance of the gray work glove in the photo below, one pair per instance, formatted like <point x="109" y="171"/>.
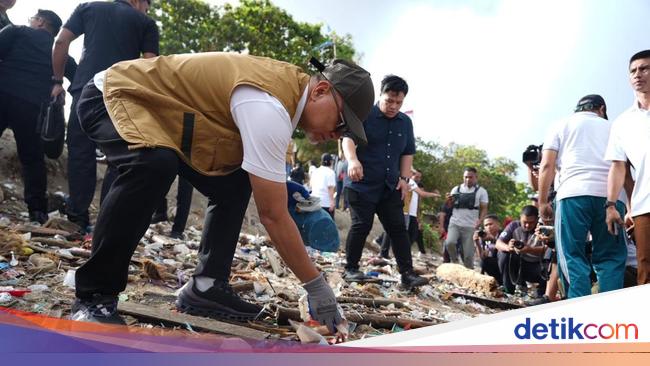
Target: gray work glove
<point x="322" y="303"/>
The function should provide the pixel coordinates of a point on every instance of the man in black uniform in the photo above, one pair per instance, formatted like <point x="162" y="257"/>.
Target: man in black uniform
<point x="113" y="31"/>
<point x="25" y="83"/>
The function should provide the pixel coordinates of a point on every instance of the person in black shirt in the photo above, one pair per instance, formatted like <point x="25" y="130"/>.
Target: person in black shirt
<point x="113" y="31"/>
<point x="4" y="6"/>
<point x="25" y="83"/>
<point x="378" y="174"/>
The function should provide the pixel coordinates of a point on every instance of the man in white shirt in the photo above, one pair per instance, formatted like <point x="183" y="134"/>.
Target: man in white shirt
<point x="470" y="203"/>
<point x="576" y="148"/>
<point x="323" y="184"/>
<point x="628" y="149"/>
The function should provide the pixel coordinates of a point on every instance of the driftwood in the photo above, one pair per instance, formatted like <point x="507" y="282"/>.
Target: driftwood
<point x="375" y="303"/>
<point x="376" y="320"/>
<point x="43" y="231"/>
<point x="466" y="278"/>
<point x="55" y="242"/>
<point x="199" y="323"/>
<point x="488" y="302"/>
<point x="57" y="253"/>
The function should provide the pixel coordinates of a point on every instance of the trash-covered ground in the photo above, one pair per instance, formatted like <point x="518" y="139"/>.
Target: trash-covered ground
<point x="37" y="267"/>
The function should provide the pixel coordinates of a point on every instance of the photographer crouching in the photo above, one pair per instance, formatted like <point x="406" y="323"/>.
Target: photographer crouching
<point x="519" y="253"/>
<point x="485" y="240"/>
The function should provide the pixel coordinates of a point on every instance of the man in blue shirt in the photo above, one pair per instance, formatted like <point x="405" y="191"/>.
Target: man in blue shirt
<point x="378" y="180"/>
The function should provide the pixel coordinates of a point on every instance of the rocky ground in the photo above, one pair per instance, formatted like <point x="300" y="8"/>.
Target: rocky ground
<point x="37" y="267"/>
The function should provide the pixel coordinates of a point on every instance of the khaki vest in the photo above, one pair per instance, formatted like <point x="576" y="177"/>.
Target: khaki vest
<point x="183" y="102"/>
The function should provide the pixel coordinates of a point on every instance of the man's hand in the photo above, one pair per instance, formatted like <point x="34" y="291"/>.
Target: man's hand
<point x="355" y="170"/>
<point x="322" y="303"/>
<point x="546" y="213"/>
<point x="332" y="207"/>
<point x="57" y="89"/>
<point x="475" y="236"/>
<point x="613" y="220"/>
<point x="629" y="222"/>
<point x="511" y="246"/>
<point x="403" y="187"/>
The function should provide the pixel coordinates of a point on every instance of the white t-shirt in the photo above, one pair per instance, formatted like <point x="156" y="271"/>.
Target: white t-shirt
<point x="415" y="198"/>
<point x="630" y="139"/>
<point x="264" y="125"/>
<point x="321" y="180"/>
<point x="465" y="217"/>
<point x="580" y="141"/>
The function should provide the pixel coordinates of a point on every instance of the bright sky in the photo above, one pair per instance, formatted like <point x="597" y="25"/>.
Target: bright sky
<point x="494" y="74"/>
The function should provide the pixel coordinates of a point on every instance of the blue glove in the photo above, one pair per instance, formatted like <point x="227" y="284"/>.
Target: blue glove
<point x="322" y="303"/>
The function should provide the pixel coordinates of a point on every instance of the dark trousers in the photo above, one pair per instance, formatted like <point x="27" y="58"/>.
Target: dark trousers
<point x="340" y="196"/>
<point x="490" y="266"/>
<point x="144" y="177"/>
<point x="414" y="235"/>
<point x="82" y="168"/>
<point x="22" y="117"/>
<point x="515" y="271"/>
<point x="362" y="214"/>
<point x="183" y="205"/>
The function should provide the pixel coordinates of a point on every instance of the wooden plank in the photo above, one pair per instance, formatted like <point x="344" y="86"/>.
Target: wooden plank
<point x="375" y="303"/>
<point x="495" y="304"/>
<point x="376" y="320"/>
<point x="196" y="322"/>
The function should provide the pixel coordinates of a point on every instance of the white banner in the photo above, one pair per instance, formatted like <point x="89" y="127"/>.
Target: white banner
<point x="612" y="317"/>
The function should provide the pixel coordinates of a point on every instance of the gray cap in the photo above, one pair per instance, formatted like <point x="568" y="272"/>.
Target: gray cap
<point x="355" y="86"/>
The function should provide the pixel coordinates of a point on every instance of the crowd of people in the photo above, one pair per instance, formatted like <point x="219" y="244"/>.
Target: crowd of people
<point x="222" y="123"/>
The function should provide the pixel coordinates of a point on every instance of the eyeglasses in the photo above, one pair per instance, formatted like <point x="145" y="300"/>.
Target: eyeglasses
<point x="33" y="18"/>
<point x="341" y="126"/>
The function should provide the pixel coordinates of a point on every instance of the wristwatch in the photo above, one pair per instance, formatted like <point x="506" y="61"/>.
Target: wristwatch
<point x="403" y="178"/>
<point x="610" y="204"/>
<point x="57" y="81"/>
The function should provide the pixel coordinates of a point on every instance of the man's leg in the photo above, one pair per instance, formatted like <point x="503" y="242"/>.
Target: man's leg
<point x="415" y="234"/>
<point x="82" y="169"/>
<point x="469" y="249"/>
<point x="389" y="211"/>
<point x="228" y="199"/>
<point x="573" y="219"/>
<point x="508" y="263"/>
<point x="22" y="117"/>
<point x="385" y="245"/>
<point x="490" y="266"/>
<point x="608" y="251"/>
<point x="208" y="293"/>
<point x="144" y="177"/>
<point x="339" y="192"/>
<point x="183" y="205"/>
<point x="362" y="214"/>
<point x="642" y="239"/>
<point x="532" y="272"/>
<point x="453" y="234"/>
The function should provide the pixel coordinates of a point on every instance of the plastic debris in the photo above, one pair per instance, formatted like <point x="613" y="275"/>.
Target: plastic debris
<point x="13" y="262"/>
<point x="68" y="280"/>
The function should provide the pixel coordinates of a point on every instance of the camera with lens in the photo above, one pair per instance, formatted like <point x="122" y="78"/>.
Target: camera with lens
<point x="519" y="244"/>
<point x="533" y="155"/>
<point x="481" y="233"/>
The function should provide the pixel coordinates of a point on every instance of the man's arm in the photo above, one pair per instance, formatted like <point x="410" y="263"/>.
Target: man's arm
<point x="405" y="168"/>
<point x="533" y="177"/>
<point x="271" y="200"/>
<point x="355" y="169"/>
<point x="422" y="193"/>
<point x="60" y="57"/>
<point x="331" y="191"/>
<point x="615" y="181"/>
<point x="546" y="177"/>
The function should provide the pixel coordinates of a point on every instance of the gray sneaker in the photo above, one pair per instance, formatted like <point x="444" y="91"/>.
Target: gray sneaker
<point x="219" y="302"/>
